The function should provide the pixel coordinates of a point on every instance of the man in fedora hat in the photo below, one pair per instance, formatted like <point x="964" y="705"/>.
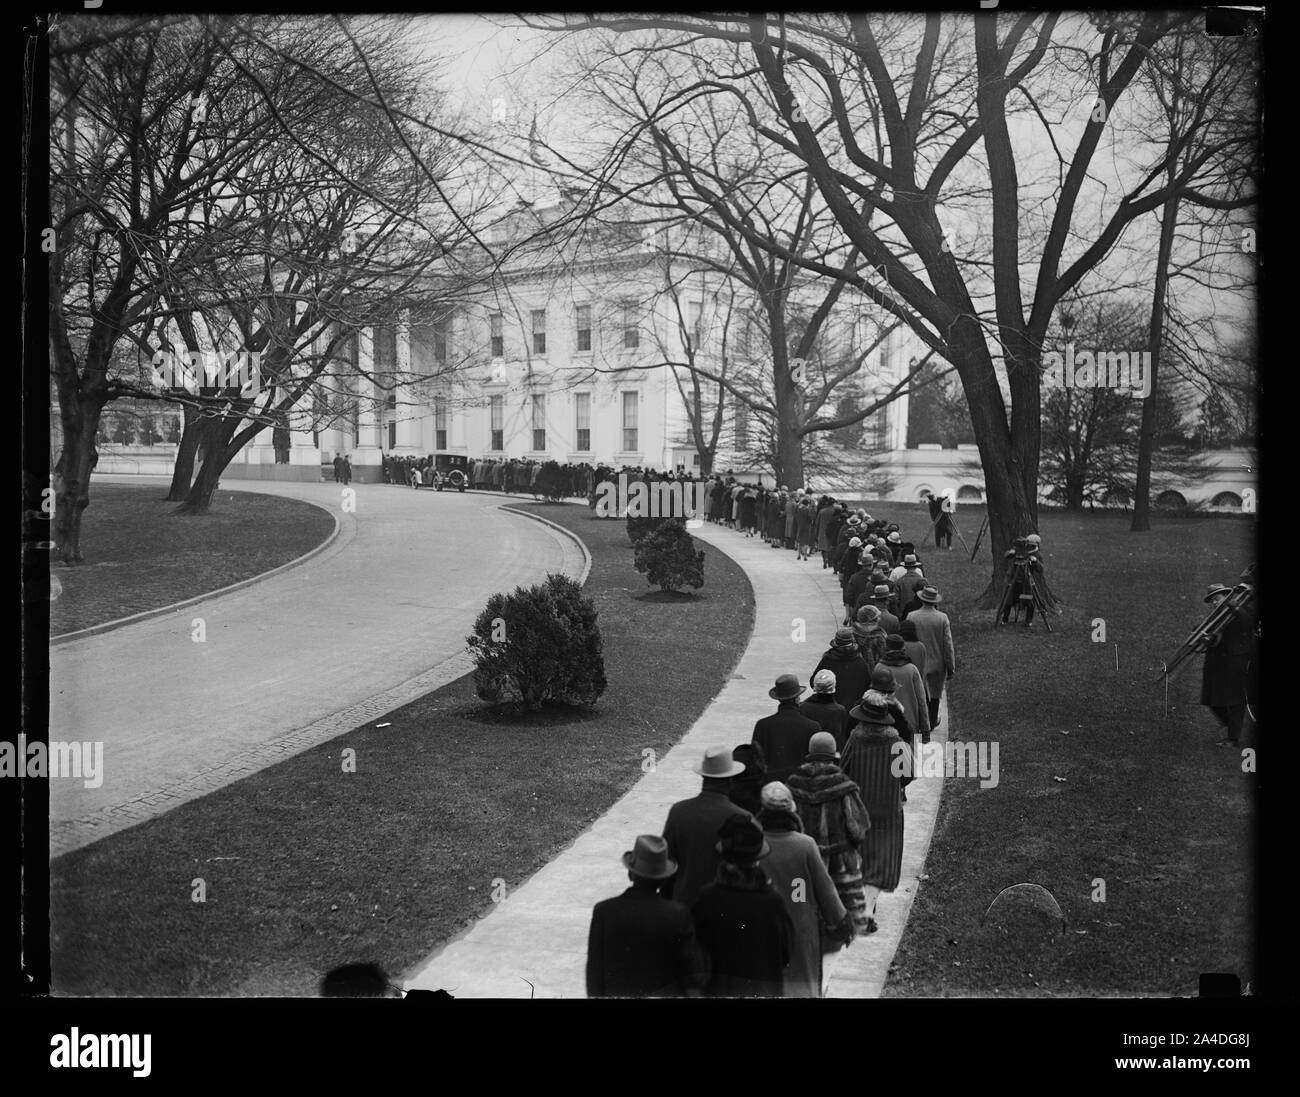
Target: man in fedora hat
<point x="691" y="829"/>
<point x="882" y="597"/>
<point x="909" y="582"/>
<point x="860" y="582"/>
<point x="783" y="736"/>
<point x="642" y="945"/>
<point x="934" y="631"/>
<point x="740" y="920"/>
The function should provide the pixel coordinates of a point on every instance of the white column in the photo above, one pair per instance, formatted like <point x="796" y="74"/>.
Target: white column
<point x="407" y="411"/>
<point x="369" y="448"/>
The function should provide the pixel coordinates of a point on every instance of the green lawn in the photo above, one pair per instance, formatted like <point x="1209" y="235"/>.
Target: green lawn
<point x="140" y="555"/>
<point x="307" y="867"/>
<point x="1146" y="803"/>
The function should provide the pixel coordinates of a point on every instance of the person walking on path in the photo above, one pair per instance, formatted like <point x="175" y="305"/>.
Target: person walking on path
<point x="804" y="519"/>
<point x="827" y="529"/>
<point x="909" y="686"/>
<point x="883" y="692"/>
<point x="914" y="650"/>
<point x="822" y="707"/>
<point x="338" y="469"/>
<point x="883" y="598"/>
<point x="869" y="635"/>
<point x="691" y="829"/>
<point x="741" y="921"/>
<point x="642" y="945"/>
<point x="783" y="736"/>
<point x="844" y="660"/>
<point x="746" y="787"/>
<point x="879" y="763"/>
<point x="909" y="583"/>
<point x="934" y="631"/>
<point x="800" y="878"/>
<point x="834" y="816"/>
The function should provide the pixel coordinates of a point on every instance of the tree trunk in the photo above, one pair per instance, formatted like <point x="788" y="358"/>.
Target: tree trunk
<point x="183" y="472"/>
<point x="73" y="472"/>
<point x="706" y="463"/>
<point x="1147" y="432"/>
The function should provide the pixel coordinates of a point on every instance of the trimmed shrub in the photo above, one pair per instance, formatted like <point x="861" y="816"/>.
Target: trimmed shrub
<point x="638" y="529"/>
<point x="668" y="557"/>
<point x="539" y="645"/>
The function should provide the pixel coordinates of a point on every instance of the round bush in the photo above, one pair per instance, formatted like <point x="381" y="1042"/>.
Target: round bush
<point x="638" y="529"/>
<point x="668" y="557"/>
<point x="539" y="645"/>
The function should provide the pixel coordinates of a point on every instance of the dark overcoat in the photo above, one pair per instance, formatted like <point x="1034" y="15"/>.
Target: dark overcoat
<point x="642" y="945"/>
<point x="691" y="832"/>
<point x="784" y="738"/>
<point x="851" y="675"/>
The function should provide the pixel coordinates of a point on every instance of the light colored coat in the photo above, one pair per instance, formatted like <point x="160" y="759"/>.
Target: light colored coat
<point x="934" y="631"/>
<point x="910" y="691"/>
<point x="796" y="863"/>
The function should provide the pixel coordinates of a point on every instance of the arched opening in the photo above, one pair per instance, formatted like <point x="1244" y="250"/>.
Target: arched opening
<point x="1170" y="500"/>
<point x="971" y="492"/>
<point x="1229" y="499"/>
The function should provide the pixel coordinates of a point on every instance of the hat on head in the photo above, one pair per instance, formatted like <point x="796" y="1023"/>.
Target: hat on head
<point x="869" y="613"/>
<point x="929" y="594"/>
<point x="894" y="538"/>
<point x="854" y="520"/>
<point x="1214" y="590"/>
<point x="911" y="561"/>
<point x="893" y="526"/>
<point x="881" y="590"/>
<point x="882" y="679"/>
<point x="824" y="681"/>
<point x="776" y="797"/>
<point x="1034" y="539"/>
<point x="907" y="629"/>
<point x="823" y="743"/>
<point x="741" y="840"/>
<point x="718" y="763"/>
<point x="855" y="542"/>
<point x="648" y="858"/>
<point x="844" y="638"/>
<point x="787" y="688"/>
<point x="870" y="713"/>
<point x="893" y="642"/>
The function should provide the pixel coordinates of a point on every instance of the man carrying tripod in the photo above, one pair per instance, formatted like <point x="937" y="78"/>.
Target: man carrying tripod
<point x="1228" y="656"/>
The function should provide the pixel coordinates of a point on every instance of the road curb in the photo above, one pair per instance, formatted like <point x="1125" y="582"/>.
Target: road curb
<point x="122" y="622"/>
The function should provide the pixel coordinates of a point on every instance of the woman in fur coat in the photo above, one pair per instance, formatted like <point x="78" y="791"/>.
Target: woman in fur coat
<point x="834" y="816"/>
<point x="869" y="762"/>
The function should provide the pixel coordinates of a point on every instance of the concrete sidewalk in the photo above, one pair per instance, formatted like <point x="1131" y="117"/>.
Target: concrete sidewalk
<point x="534" y="942"/>
<point x="372" y="622"/>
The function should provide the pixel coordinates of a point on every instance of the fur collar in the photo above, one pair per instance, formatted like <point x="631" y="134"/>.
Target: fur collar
<point x="743" y="878"/>
<point x="896" y="659"/>
<point x="819" y="783"/>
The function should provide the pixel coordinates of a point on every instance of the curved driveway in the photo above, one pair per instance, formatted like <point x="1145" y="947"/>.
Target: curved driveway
<point x="374" y="621"/>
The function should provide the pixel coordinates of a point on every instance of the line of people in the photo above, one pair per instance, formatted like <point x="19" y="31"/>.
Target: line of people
<point x="781" y="857"/>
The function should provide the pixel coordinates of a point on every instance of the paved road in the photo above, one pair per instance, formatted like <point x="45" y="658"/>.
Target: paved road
<point x="374" y="621"/>
<point x="534" y="943"/>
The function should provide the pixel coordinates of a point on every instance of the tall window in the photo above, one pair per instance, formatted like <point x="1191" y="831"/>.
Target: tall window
<point x="392" y="434"/>
<point x="693" y="312"/>
<point x="440" y="342"/>
<point x="498" y="338"/>
<point x="629" y="422"/>
<point x="583" y="320"/>
<point x="497" y="410"/>
<point x="631" y="332"/>
<point x="742" y="426"/>
<point x="439" y="422"/>
<point x="539" y="422"/>
<point x="539" y="331"/>
<point x="582" y="410"/>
